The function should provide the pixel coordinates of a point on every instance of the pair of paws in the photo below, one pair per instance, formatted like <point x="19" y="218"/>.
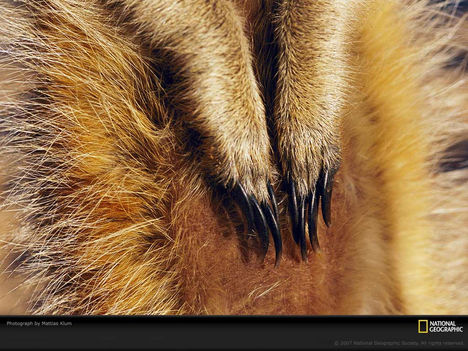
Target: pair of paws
<point x="263" y="218"/>
<point x="263" y="109"/>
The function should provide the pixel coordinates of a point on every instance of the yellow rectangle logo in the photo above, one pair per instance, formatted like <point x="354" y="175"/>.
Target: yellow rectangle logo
<point x="422" y="326"/>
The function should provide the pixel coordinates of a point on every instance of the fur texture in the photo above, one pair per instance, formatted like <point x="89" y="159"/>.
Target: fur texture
<point x="313" y="77"/>
<point x="119" y="118"/>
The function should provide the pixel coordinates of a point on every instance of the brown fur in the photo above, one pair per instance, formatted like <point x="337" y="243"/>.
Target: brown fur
<point x="226" y="107"/>
<point x="313" y="70"/>
<point x="102" y="104"/>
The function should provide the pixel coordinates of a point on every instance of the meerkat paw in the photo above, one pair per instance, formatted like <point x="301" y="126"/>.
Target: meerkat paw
<point x="309" y="103"/>
<point x="218" y="99"/>
<point x="309" y="162"/>
<point x="247" y="177"/>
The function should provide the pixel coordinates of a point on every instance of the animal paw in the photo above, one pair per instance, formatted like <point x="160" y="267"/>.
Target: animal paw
<point x="309" y="100"/>
<point x="309" y="165"/>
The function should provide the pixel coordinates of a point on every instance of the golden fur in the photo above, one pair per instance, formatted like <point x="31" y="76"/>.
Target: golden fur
<point x="313" y="79"/>
<point x="113" y="210"/>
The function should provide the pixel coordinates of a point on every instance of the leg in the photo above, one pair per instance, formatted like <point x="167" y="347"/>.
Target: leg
<point x="221" y="97"/>
<point x="311" y="89"/>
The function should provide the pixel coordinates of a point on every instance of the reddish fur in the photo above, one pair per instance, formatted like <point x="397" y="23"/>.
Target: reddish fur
<point x="140" y="231"/>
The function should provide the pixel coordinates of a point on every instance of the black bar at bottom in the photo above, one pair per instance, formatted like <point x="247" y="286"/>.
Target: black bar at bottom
<point x="234" y="333"/>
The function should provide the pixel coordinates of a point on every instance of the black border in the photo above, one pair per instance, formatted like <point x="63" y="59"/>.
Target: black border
<point x="227" y="333"/>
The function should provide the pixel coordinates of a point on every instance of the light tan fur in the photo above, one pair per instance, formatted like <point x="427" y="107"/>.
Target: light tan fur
<point x="120" y="118"/>
<point x="313" y="79"/>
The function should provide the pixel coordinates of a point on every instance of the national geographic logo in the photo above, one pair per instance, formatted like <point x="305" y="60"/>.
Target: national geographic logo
<point x="445" y="326"/>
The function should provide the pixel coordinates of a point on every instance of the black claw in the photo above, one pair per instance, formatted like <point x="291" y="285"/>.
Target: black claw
<point x="293" y="209"/>
<point x="275" y="231"/>
<point x="274" y="204"/>
<point x="326" y="197"/>
<point x="320" y="184"/>
<point x="300" y="227"/>
<point x="241" y="197"/>
<point x="312" y="219"/>
<point x="260" y="225"/>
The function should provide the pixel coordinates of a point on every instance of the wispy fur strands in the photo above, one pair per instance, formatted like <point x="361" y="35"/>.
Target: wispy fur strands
<point x="91" y="204"/>
<point x="113" y="113"/>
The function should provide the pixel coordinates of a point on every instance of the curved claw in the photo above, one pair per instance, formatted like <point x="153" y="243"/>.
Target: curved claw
<point x="300" y="227"/>
<point x="320" y="183"/>
<point x="293" y="208"/>
<point x="312" y="219"/>
<point x="260" y="225"/>
<point x="275" y="231"/>
<point x="274" y="204"/>
<point x="327" y="196"/>
<point x="241" y="197"/>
